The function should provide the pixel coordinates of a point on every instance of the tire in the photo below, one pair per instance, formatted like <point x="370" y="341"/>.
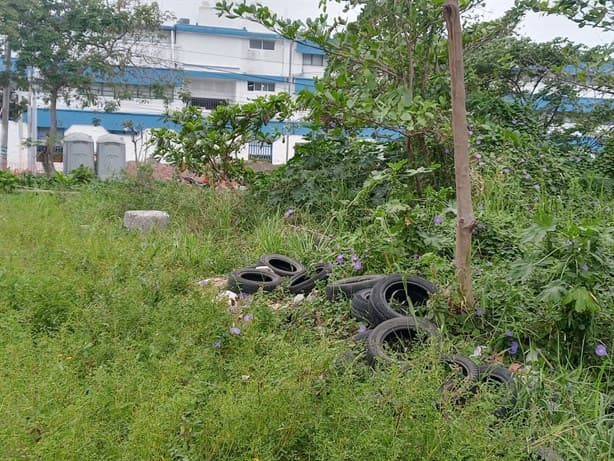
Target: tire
<point x="282" y="265"/>
<point x="400" y="325"/>
<point x="395" y="295"/>
<point x="359" y="306"/>
<point x="322" y="271"/>
<point x="496" y="374"/>
<point x="467" y="366"/>
<point x="301" y="283"/>
<point x="249" y="280"/>
<point x="454" y="391"/>
<point x="502" y="376"/>
<point x="347" y="287"/>
<point x="304" y="283"/>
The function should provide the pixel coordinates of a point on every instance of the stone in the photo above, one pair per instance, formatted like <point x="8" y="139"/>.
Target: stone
<point x="146" y="220"/>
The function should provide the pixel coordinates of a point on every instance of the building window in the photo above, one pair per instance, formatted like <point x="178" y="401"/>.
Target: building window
<point x="260" y="151"/>
<point x="260" y="86"/>
<point x="208" y="103"/>
<point x="258" y="44"/>
<point x="313" y="60"/>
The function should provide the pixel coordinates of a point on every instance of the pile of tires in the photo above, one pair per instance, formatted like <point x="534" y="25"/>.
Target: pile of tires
<point x="393" y="306"/>
<point x="271" y="270"/>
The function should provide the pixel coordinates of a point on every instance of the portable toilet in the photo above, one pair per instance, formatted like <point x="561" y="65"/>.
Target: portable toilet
<point x="78" y="150"/>
<point x="110" y="156"/>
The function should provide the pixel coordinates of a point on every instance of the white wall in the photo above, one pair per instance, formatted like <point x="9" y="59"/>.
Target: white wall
<point x="281" y="149"/>
<point x="212" y="88"/>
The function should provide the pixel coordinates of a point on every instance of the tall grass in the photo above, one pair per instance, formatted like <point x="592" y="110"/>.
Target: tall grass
<point x="112" y="350"/>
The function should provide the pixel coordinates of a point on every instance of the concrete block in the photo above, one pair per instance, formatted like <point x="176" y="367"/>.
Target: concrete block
<point x="145" y="220"/>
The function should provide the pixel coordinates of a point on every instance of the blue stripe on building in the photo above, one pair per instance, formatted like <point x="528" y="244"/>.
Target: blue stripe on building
<point x="225" y="31"/>
<point x="111" y="121"/>
<point x="308" y="47"/>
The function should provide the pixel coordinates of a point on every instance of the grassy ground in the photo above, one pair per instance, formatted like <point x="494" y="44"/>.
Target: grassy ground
<point x="110" y="349"/>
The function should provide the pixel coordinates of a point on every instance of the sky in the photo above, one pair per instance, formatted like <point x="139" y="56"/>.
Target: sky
<point x="538" y="27"/>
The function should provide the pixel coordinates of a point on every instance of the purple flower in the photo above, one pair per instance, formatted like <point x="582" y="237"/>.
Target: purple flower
<point x="248" y="317"/>
<point x="437" y="219"/>
<point x="514" y="121"/>
<point x="545" y="170"/>
<point x="416" y="256"/>
<point x="288" y="213"/>
<point x="340" y="258"/>
<point x="481" y="163"/>
<point x="514" y="348"/>
<point x="506" y="170"/>
<point x="578" y="159"/>
<point x="354" y="257"/>
<point x="235" y="331"/>
<point x="526" y="176"/>
<point x="246" y="297"/>
<point x="477" y="156"/>
<point x="217" y="344"/>
<point x="362" y="329"/>
<point x="536" y="186"/>
<point x="446" y="150"/>
<point x="478" y="271"/>
<point x="584" y="267"/>
<point x="478" y="142"/>
<point x="356" y="265"/>
<point x="569" y="242"/>
<point x="601" y="350"/>
<point x="479" y="312"/>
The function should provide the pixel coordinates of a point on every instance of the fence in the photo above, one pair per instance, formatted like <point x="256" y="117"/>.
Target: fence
<point x="260" y="151"/>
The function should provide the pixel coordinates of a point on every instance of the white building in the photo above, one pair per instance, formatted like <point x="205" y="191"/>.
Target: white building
<point x="216" y="60"/>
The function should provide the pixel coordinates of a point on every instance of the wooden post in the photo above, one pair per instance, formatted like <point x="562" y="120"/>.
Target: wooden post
<point x="465" y="218"/>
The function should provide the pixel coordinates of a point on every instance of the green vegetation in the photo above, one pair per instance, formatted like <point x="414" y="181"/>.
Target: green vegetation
<point x="112" y="350"/>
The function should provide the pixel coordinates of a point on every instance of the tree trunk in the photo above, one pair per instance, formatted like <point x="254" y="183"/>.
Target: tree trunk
<point x="6" y="106"/>
<point x="465" y="217"/>
<point x="49" y="152"/>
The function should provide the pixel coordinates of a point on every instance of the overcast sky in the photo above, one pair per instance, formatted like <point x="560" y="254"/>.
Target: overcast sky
<point x="538" y="27"/>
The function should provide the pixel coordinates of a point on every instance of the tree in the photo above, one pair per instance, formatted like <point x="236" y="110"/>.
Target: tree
<point x="594" y="13"/>
<point x="465" y="220"/>
<point x="12" y="11"/>
<point x="73" y="43"/>
<point x="206" y="145"/>
<point x="386" y="70"/>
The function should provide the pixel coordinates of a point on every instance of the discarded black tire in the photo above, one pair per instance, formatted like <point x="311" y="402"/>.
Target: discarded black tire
<point x="301" y="283"/>
<point x="398" y="328"/>
<point x="304" y="283"/>
<point x="347" y="287"/>
<point x="454" y="391"/>
<point x="501" y="376"/>
<point x="496" y="374"/>
<point x="464" y="364"/>
<point x="248" y="280"/>
<point x="399" y="295"/>
<point x="322" y="271"/>
<point x="359" y="306"/>
<point x="282" y="265"/>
